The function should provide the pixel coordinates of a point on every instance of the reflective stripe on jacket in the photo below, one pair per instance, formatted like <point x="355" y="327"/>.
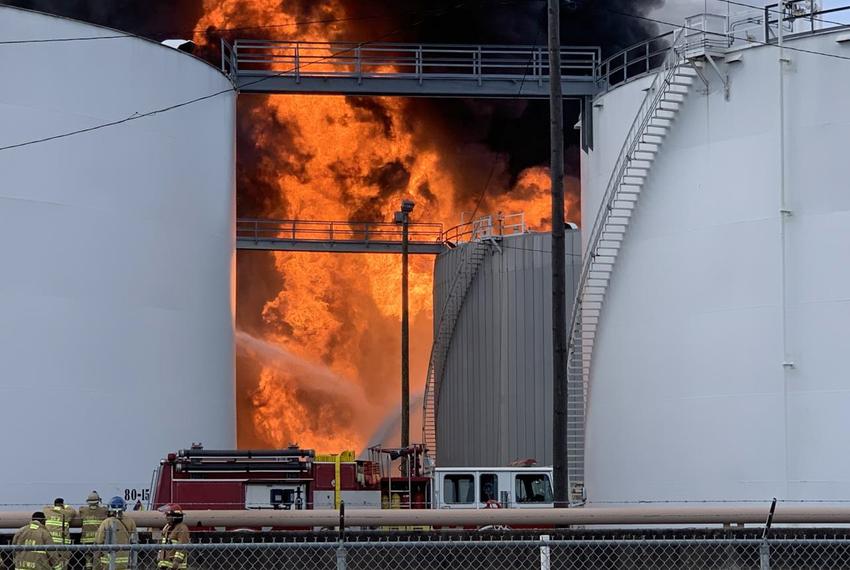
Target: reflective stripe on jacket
<point x="90" y="518"/>
<point x="34" y="534"/>
<point x="115" y="530"/>
<point x="59" y="522"/>
<point x="176" y="559"/>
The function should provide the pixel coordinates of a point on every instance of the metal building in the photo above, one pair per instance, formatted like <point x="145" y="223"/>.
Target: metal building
<point x="715" y="307"/>
<point x="494" y="402"/>
<point x="118" y="249"/>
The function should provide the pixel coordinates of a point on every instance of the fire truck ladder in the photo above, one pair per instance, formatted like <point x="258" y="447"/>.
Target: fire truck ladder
<point x="641" y="146"/>
<point x="480" y="234"/>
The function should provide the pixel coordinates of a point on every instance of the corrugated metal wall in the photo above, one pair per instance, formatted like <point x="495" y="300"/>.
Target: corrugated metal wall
<point x="495" y="396"/>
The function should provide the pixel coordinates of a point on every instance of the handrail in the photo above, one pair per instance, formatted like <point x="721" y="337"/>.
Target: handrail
<point x="618" y="172"/>
<point x="330" y="230"/>
<point x="647" y="50"/>
<point x="485" y="227"/>
<point x="370" y="60"/>
<point x="229" y="65"/>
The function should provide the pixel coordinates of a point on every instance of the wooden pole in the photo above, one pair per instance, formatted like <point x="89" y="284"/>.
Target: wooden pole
<point x="559" y="300"/>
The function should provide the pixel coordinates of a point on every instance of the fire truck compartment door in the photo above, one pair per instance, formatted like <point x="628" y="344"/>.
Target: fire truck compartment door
<point x="352" y="499"/>
<point x="276" y="495"/>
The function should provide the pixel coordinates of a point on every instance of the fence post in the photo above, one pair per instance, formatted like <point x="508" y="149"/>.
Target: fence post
<point x="764" y="549"/>
<point x="340" y="550"/>
<point x="764" y="555"/>
<point x="545" y="554"/>
<point x="340" y="557"/>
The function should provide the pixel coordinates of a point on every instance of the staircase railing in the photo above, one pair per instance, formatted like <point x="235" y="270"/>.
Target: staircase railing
<point x="471" y="260"/>
<point x="589" y="297"/>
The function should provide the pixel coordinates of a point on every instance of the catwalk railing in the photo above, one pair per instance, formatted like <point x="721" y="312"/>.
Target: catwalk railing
<point x="337" y="236"/>
<point x="542" y="552"/>
<point x="401" y="68"/>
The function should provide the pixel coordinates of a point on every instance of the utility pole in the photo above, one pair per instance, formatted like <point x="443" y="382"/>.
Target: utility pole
<point x="403" y="217"/>
<point x="559" y="300"/>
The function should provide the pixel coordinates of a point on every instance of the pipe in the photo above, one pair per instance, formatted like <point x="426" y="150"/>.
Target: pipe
<point x="249" y="453"/>
<point x="586" y="516"/>
<point x="259" y="467"/>
<point x="784" y="213"/>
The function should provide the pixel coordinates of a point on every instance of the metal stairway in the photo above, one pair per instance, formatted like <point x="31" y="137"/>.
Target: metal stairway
<point x="641" y="145"/>
<point x="473" y="255"/>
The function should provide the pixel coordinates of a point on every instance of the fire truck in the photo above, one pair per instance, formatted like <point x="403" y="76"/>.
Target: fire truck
<point x="295" y="478"/>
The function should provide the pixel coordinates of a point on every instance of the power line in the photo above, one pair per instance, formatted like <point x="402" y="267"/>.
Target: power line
<point x="54" y="40"/>
<point x="136" y="116"/>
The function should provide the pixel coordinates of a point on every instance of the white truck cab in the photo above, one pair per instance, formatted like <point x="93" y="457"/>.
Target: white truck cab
<point x="492" y="487"/>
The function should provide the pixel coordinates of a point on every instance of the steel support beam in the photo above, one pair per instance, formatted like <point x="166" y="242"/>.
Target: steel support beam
<point x="515" y="88"/>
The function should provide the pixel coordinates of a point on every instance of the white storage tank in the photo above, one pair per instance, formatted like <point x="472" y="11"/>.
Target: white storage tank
<point x="719" y="368"/>
<point x="117" y="289"/>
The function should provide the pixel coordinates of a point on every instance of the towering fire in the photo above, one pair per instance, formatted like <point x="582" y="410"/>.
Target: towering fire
<point x="318" y="362"/>
<point x="337" y="158"/>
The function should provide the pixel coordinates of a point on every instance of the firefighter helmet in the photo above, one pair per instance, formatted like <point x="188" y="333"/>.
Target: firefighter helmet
<point x="117" y="504"/>
<point x="172" y="509"/>
<point x="93" y="498"/>
<point x="173" y="512"/>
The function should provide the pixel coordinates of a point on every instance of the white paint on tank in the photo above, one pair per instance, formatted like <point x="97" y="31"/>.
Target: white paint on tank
<point x="689" y="398"/>
<point x="116" y="297"/>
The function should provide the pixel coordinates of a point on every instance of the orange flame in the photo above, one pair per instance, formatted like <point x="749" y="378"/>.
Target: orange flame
<point x="342" y="311"/>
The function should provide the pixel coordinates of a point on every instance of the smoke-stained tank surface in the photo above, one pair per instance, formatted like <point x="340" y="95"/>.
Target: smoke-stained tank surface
<point x="117" y="289"/>
<point x="494" y="399"/>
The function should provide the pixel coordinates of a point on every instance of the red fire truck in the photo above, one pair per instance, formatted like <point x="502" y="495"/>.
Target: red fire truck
<point x="295" y="478"/>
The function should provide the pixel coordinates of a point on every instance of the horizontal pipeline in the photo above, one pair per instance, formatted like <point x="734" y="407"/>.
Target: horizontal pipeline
<point x="530" y="518"/>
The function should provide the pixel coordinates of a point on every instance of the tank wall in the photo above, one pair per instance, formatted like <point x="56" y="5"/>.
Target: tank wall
<point x="495" y="400"/>
<point x="116" y="298"/>
<point x="689" y="399"/>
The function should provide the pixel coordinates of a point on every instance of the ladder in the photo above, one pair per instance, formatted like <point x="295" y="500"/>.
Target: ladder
<point x="472" y="256"/>
<point x="642" y="143"/>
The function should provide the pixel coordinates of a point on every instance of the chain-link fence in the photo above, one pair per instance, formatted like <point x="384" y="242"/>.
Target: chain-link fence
<point x="501" y="554"/>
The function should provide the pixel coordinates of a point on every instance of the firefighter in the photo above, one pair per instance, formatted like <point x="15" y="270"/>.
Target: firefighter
<point x="117" y="529"/>
<point x="175" y="532"/>
<point x="91" y="515"/>
<point x="33" y="534"/>
<point x="58" y="524"/>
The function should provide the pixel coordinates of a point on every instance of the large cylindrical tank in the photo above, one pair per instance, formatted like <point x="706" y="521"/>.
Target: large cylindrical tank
<point x="495" y="403"/>
<point x="719" y="369"/>
<point x="118" y="248"/>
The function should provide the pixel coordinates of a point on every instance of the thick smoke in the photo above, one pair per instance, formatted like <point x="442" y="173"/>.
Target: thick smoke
<point x="483" y="144"/>
<point x="156" y="19"/>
